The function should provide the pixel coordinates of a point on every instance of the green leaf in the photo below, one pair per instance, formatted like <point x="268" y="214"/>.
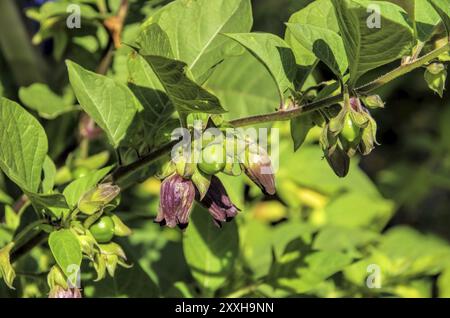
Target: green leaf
<point x="318" y="266"/>
<point x="52" y="16"/>
<point x="49" y="170"/>
<point x="5" y="198"/>
<point x="6" y="269"/>
<point x="23" y="145"/>
<point x="376" y="211"/>
<point x="12" y="218"/>
<point x="184" y="94"/>
<point x="201" y="45"/>
<point x="244" y="87"/>
<point x="133" y="283"/>
<point x="256" y="246"/>
<point x="274" y="53"/>
<point x="210" y="251"/>
<point x="443" y="9"/>
<point x="443" y="283"/>
<point x="303" y="167"/>
<point x="54" y="204"/>
<point x="343" y="239"/>
<point x="402" y="254"/>
<point x="325" y="44"/>
<point x="110" y="104"/>
<point x="368" y="48"/>
<point x="93" y="162"/>
<point x="319" y="13"/>
<point x="146" y="86"/>
<point x="426" y="20"/>
<point x="300" y="126"/>
<point x="422" y="15"/>
<point x="40" y="98"/>
<point x="77" y="188"/>
<point x="66" y="250"/>
<point x="55" y="200"/>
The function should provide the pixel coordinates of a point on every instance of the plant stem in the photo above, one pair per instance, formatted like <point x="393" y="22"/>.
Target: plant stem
<point x="34" y="241"/>
<point x="287" y="114"/>
<point x="402" y="70"/>
<point x="365" y="89"/>
<point x="122" y="172"/>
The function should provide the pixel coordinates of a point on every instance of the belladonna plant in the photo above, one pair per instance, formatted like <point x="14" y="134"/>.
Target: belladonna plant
<point x="191" y="61"/>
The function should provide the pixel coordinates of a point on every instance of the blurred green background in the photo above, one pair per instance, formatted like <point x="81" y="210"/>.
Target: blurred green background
<point x="316" y="238"/>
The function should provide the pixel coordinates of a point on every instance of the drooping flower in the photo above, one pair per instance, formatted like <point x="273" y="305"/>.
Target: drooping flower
<point x="218" y="202"/>
<point x="176" y="200"/>
<point x="95" y="199"/>
<point x="258" y="167"/>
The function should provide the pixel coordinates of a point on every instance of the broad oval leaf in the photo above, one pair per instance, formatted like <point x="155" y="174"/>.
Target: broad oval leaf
<point x="443" y="9"/>
<point x="183" y="93"/>
<point x="40" y="98"/>
<point x="325" y="44"/>
<point x="195" y="28"/>
<point x="370" y="47"/>
<point x="320" y="14"/>
<point x="274" y="53"/>
<point x="66" y="250"/>
<point x="23" y="145"/>
<point x="300" y="126"/>
<point x="145" y="85"/>
<point x="244" y="87"/>
<point x="110" y="104"/>
<point x="422" y="15"/>
<point x="210" y="251"/>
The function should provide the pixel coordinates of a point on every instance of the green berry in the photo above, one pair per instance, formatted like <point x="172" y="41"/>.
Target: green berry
<point x="213" y="159"/>
<point x="350" y="132"/>
<point x="103" y="229"/>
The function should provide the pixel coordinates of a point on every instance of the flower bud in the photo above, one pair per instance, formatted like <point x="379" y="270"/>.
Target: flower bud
<point x="218" y="202"/>
<point x="338" y="160"/>
<point x="258" y="167"/>
<point x="435" y="76"/>
<point x="176" y="200"/>
<point x="88" y="129"/>
<point x="96" y="199"/>
<point x="368" y="139"/>
<point x="373" y="101"/>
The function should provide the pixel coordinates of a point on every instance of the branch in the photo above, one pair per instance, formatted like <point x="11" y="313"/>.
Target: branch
<point x="404" y="69"/>
<point x="122" y="172"/>
<point x="363" y="90"/>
